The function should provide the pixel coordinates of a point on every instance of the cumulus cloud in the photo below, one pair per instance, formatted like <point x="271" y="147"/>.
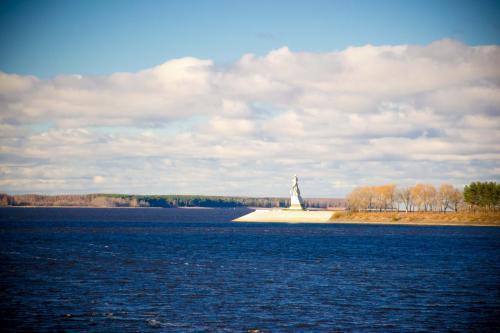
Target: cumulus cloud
<point x="370" y="114"/>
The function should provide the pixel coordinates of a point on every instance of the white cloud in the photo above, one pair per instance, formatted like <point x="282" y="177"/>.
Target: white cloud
<point x="98" y="179"/>
<point x="365" y="114"/>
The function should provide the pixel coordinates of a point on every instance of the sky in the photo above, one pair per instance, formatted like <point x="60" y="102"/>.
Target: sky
<point x="235" y="97"/>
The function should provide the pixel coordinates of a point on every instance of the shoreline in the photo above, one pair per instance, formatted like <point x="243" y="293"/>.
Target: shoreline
<point x="459" y="219"/>
<point x="491" y="219"/>
<point x="478" y="219"/>
<point x="422" y="223"/>
<point x="412" y="223"/>
<point x="77" y="207"/>
<point x="125" y="207"/>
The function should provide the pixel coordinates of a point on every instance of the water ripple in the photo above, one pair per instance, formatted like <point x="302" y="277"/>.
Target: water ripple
<point x="120" y="271"/>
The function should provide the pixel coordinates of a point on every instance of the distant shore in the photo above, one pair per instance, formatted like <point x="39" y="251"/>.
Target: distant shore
<point x="480" y="218"/>
<point x="100" y="200"/>
<point x="419" y="218"/>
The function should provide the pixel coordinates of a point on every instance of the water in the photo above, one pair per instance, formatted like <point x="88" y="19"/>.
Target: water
<point x="171" y="270"/>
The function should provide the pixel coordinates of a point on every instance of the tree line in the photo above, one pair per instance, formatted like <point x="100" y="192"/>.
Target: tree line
<point x="425" y="197"/>
<point x="166" y="201"/>
<point x="482" y="195"/>
<point x="389" y="197"/>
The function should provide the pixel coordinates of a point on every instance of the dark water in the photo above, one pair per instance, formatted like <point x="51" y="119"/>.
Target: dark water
<point x="120" y="270"/>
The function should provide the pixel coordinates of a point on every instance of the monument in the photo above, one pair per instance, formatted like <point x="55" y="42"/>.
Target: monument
<point x="293" y="214"/>
<point x="296" y="201"/>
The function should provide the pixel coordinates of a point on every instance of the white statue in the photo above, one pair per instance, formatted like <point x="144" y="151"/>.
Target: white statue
<point x="296" y="201"/>
<point x="295" y="186"/>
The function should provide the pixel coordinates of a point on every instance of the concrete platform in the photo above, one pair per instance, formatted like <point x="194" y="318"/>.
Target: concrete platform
<point x="287" y="216"/>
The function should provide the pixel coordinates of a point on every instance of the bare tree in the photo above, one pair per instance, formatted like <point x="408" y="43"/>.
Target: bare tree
<point x="404" y="196"/>
<point x="424" y="196"/>
<point x="358" y="199"/>
<point x="456" y="198"/>
<point x="444" y="196"/>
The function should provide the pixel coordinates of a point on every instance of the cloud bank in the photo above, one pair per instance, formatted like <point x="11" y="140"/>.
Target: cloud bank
<point x="363" y="115"/>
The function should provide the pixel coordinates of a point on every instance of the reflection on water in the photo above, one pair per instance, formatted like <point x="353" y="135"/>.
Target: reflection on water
<point x="193" y="270"/>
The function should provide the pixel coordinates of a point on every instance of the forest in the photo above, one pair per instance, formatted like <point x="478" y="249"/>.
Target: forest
<point x="165" y="201"/>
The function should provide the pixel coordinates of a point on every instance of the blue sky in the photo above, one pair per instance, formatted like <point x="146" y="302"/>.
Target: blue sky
<point x="235" y="97"/>
<point x="46" y="38"/>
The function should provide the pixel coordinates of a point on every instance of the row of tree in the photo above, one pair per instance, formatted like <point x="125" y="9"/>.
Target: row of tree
<point x="167" y="201"/>
<point x="425" y="197"/>
<point x="421" y="197"/>
<point x="483" y="195"/>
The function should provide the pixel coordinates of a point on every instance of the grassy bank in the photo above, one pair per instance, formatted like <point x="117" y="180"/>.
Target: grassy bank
<point x="424" y="218"/>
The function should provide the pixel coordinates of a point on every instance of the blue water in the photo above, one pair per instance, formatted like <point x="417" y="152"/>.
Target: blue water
<point x="171" y="270"/>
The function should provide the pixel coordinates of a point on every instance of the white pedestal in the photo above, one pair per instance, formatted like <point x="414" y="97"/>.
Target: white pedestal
<point x="296" y="203"/>
<point x="287" y="216"/>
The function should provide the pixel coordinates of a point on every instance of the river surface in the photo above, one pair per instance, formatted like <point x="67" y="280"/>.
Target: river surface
<point x="192" y="270"/>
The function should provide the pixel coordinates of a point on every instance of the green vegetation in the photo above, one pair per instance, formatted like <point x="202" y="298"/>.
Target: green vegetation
<point x="482" y="195"/>
<point x="169" y="201"/>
